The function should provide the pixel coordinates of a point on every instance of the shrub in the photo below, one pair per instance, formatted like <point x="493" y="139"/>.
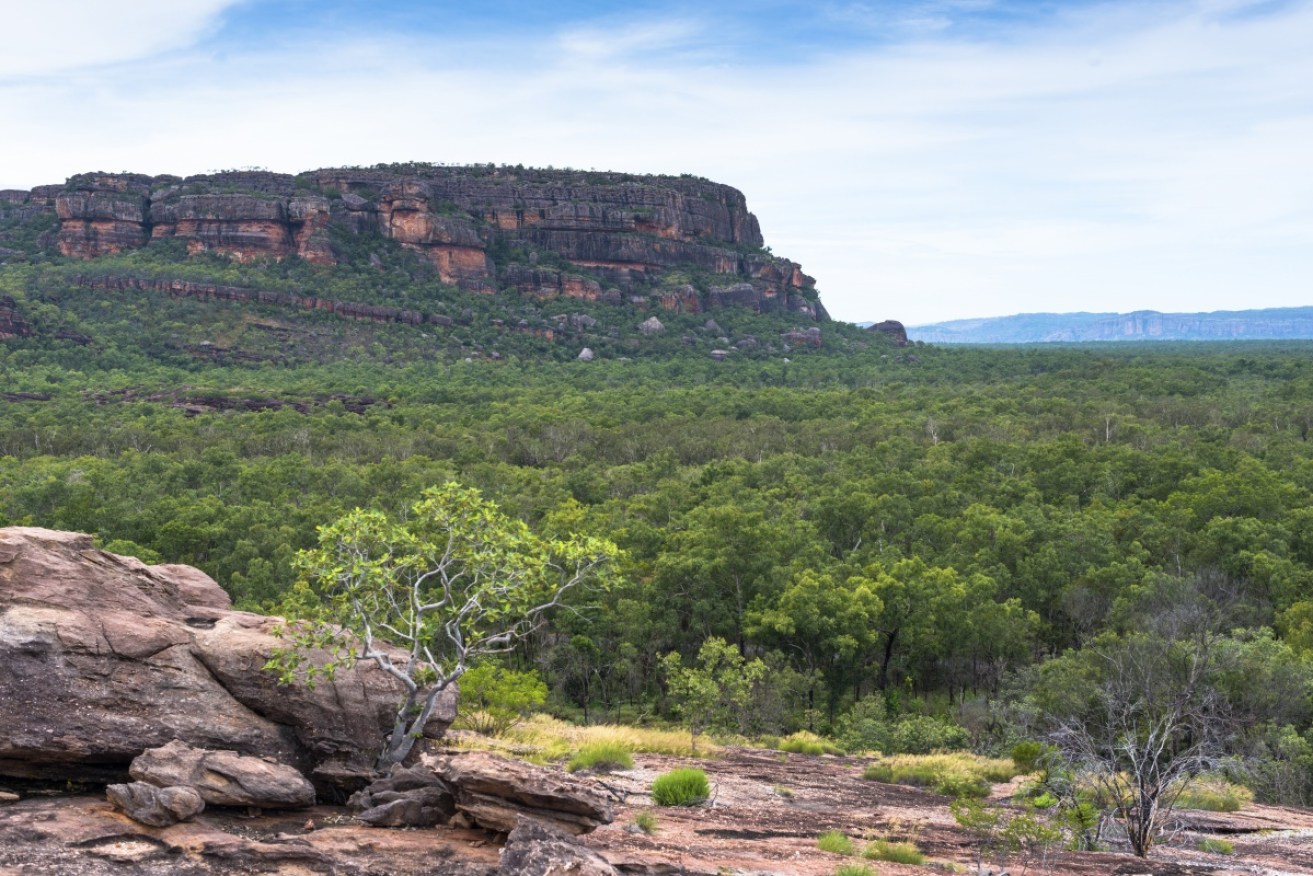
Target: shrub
<point x="681" y="787"/>
<point x="1216" y="846"/>
<point x="494" y="699"/>
<point x="922" y="734"/>
<point x="1026" y="755"/>
<point x="864" y="727"/>
<point x="896" y="853"/>
<point x="836" y="842"/>
<point x="602" y="757"/>
<point x="646" y="821"/>
<point x="803" y="742"/>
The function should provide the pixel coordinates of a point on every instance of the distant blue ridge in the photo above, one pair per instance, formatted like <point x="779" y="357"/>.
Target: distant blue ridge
<point x="1277" y="323"/>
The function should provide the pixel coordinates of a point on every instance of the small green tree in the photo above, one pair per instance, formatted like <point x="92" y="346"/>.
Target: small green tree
<point x="424" y="597"/>
<point x="715" y="693"/>
<point x="498" y="698"/>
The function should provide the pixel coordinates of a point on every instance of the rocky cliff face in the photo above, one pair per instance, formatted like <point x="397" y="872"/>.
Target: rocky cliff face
<point x="594" y="236"/>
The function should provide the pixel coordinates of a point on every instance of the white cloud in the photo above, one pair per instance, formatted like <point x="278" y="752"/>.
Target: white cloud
<point x="47" y="37"/>
<point x="1123" y="160"/>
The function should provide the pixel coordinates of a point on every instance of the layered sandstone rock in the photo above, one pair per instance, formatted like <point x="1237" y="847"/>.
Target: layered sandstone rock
<point x="537" y="849"/>
<point x="497" y="793"/>
<point x="103" y="657"/>
<point x="154" y="806"/>
<point x="619" y="231"/>
<point x="224" y="778"/>
<point x="405" y="797"/>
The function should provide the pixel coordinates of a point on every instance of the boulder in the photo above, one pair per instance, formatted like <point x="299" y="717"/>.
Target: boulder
<point x="103" y="657"/>
<point x="537" y="849"/>
<point x="651" y="326"/>
<point x="155" y="806"/>
<point x="495" y="793"/>
<point x="406" y="797"/>
<point x="585" y="355"/>
<point x="224" y="778"/>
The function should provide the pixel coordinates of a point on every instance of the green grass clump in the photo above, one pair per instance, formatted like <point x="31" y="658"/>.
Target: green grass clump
<point x="681" y="787"/>
<point x="1214" y="795"/>
<point x="1216" y="846"/>
<point x="854" y="870"/>
<point x="803" y="742"/>
<point x="544" y="739"/>
<point x="897" y="853"/>
<point x="602" y="757"/>
<point x="646" y="821"/>
<point x="835" y="842"/>
<point x="959" y="774"/>
<point x="879" y="772"/>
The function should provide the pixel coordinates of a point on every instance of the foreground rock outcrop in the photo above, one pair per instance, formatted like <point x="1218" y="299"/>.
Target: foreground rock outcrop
<point x="103" y="657"/>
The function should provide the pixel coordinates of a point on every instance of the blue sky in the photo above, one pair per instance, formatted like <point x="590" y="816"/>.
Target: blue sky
<point x="923" y="159"/>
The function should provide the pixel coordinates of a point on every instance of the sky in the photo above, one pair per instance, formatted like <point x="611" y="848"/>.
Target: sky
<point x="924" y="160"/>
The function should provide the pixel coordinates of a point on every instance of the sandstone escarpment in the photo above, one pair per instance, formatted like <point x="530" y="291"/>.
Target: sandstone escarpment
<point x="592" y="236"/>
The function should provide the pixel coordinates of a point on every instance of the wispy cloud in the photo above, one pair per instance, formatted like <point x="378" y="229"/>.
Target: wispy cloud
<point x="44" y="38"/>
<point x="1110" y="156"/>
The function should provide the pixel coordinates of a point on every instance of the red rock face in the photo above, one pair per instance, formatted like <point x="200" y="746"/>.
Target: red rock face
<point x="450" y="243"/>
<point x="98" y="223"/>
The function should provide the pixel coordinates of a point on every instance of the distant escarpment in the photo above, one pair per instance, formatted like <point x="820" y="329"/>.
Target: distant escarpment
<point x="682" y="243"/>
<point x="1281" y="323"/>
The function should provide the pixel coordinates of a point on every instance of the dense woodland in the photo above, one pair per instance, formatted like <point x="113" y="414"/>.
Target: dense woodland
<point x="917" y="543"/>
